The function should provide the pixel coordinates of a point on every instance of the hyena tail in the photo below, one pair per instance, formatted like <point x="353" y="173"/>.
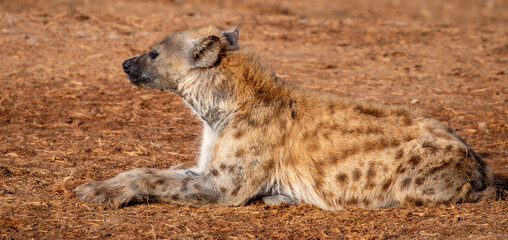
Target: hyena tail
<point x="483" y="182"/>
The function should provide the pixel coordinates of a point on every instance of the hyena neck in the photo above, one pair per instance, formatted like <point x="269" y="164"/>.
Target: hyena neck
<point x="208" y="107"/>
<point x="216" y="94"/>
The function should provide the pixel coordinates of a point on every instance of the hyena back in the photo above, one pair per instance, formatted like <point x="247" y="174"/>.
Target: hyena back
<point x="263" y="138"/>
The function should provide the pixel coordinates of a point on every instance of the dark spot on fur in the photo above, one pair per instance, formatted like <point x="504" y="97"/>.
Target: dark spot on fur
<point x="318" y="176"/>
<point x="405" y="183"/>
<point x="253" y="163"/>
<point x="414" y="160"/>
<point x="399" y="153"/>
<point x="236" y="190"/>
<point x="458" y="165"/>
<point x="149" y="184"/>
<point x="393" y="142"/>
<point x="326" y="135"/>
<point x="413" y="201"/>
<point x="370" y="185"/>
<point x="449" y="183"/>
<point x="430" y="146"/>
<point x="312" y="147"/>
<point x="406" y="120"/>
<point x="464" y="152"/>
<point x="238" y="134"/>
<point x="448" y="148"/>
<point x="405" y="116"/>
<point x="283" y="140"/>
<point x="267" y="120"/>
<point x="161" y="181"/>
<point x="240" y="152"/>
<point x="369" y="110"/>
<point x="184" y="188"/>
<point x="232" y="169"/>
<point x="348" y="152"/>
<point x="429" y="191"/>
<point x="357" y="174"/>
<point x="342" y="178"/>
<point x="257" y="150"/>
<point x="400" y="169"/>
<point x="291" y="103"/>
<point x="96" y="193"/>
<point x="223" y="167"/>
<point x="353" y="201"/>
<point x="331" y="107"/>
<point x="223" y="190"/>
<point x="269" y="165"/>
<point x="371" y="173"/>
<point x="197" y="186"/>
<point x="316" y="131"/>
<point x="366" y="201"/>
<point x="293" y="114"/>
<point x="436" y="169"/>
<point x="408" y="137"/>
<point x="380" y="143"/>
<point x="214" y="172"/>
<point x="419" y="181"/>
<point x="333" y="159"/>
<point x="387" y="184"/>
<point x="282" y="124"/>
<point x="368" y="129"/>
<point x="175" y="197"/>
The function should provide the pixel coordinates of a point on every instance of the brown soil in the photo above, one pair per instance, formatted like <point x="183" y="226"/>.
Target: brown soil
<point x="68" y="115"/>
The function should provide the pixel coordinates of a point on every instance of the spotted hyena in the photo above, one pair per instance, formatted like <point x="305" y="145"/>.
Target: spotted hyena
<point x="264" y="138"/>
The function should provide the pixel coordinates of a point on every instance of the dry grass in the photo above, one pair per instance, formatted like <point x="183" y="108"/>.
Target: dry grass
<point x="68" y="115"/>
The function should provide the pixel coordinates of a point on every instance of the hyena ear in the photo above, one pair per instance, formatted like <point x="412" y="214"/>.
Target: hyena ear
<point x="206" y="51"/>
<point x="232" y="36"/>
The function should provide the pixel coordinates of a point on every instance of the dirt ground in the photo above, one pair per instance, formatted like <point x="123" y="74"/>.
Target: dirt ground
<point x="68" y="115"/>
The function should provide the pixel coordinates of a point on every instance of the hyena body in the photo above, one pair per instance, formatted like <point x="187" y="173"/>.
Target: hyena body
<point x="266" y="139"/>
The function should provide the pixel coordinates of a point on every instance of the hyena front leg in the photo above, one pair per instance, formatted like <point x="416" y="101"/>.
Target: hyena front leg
<point x="123" y="188"/>
<point x="182" y="187"/>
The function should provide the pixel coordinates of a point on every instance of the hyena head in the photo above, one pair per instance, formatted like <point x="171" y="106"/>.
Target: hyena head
<point x="178" y="55"/>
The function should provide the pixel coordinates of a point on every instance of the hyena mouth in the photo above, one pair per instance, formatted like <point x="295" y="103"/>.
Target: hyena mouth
<point x="136" y="79"/>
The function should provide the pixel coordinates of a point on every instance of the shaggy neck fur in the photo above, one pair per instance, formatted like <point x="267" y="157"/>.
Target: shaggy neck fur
<point x="215" y="93"/>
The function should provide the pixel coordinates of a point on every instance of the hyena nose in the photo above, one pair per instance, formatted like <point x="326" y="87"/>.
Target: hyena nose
<point x="127" y="66"/>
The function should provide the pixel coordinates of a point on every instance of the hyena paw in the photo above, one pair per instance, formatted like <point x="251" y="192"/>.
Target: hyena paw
<point x="113" y="196"/>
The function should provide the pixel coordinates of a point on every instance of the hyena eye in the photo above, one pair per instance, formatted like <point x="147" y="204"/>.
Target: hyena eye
<point x="153" y="55"/>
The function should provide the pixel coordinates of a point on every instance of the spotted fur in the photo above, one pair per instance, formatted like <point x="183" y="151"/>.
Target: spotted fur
<point x="264" y="138"/>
